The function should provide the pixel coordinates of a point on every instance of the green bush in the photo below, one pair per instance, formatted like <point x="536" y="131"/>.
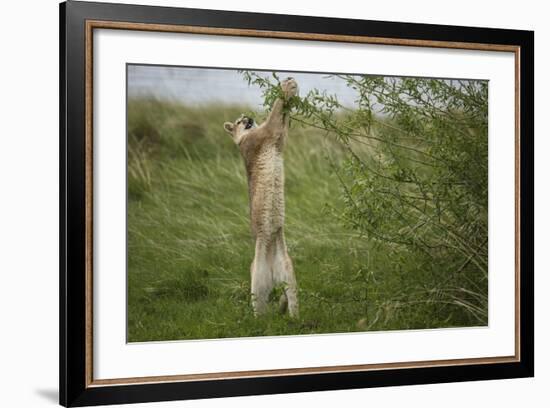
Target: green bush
<point x="415" y="177"/>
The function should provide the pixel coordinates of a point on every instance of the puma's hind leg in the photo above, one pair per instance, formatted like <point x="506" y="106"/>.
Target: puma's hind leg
<point x="283" y="273"/>
<point x="261" y="280"/>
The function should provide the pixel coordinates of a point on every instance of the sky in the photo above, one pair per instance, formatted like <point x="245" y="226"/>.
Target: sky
<point x="205" y="85"/>
<point x="201" y="86"/>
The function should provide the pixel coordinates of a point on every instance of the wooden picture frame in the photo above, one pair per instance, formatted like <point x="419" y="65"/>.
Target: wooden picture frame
<point x="78" y="20"/>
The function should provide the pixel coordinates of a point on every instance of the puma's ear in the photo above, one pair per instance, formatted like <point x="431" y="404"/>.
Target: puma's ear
<point x="228" y="126"/>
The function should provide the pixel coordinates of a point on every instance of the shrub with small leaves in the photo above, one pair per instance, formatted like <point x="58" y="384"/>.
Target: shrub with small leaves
<point x="416" y="173"/>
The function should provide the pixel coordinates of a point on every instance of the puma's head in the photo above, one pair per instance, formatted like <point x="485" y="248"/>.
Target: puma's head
<point x="239" y="128"/>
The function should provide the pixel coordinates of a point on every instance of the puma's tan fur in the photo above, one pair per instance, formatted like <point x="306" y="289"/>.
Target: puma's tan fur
<point x="262" y="150"/>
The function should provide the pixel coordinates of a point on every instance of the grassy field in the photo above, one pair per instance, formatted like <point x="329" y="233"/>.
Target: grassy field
<point x="190" y="247"/>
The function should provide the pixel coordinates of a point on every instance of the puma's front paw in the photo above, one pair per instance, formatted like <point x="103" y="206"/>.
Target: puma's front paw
<point x="290" y="87"/>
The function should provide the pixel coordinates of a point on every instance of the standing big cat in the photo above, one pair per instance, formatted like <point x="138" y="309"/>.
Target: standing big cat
<point x="262" y="147"/>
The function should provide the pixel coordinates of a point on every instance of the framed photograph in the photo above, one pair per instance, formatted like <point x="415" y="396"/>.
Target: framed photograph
<point x="256" y="204"/>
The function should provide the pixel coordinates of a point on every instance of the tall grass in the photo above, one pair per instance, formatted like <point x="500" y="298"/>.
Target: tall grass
<point x="190" y="247"/>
